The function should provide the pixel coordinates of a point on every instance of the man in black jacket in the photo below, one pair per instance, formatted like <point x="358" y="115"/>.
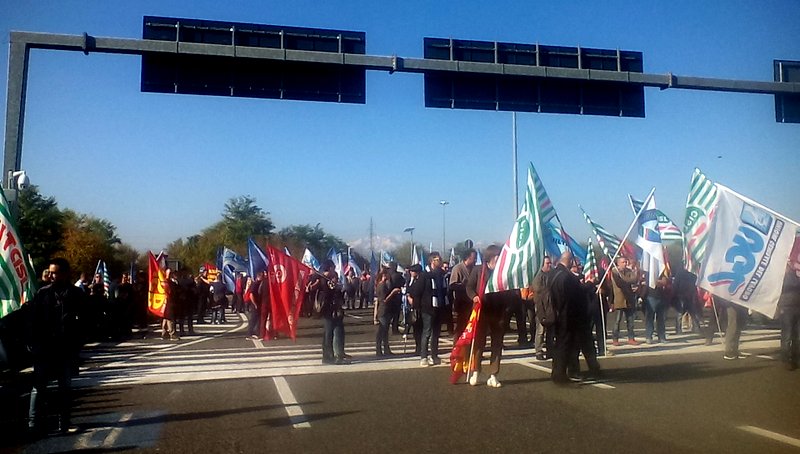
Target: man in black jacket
<point x="569" y="301"/>
<point x="427" y="294"/>
<point x="54" y="343"/>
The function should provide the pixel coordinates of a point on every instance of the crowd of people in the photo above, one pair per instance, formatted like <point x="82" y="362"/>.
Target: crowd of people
<point x="561" y="315"/>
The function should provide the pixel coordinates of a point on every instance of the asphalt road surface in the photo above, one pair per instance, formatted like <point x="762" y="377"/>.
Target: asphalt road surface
<point x="219" y="392"/>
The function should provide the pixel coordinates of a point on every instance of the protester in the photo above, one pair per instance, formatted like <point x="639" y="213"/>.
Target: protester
<point x="655" y="309"/>
<point x="364" y="290"/>
<point x="124" y="301"/>
<point x="624" y="278"/>
<point x="684" y="293"/>
<point x="219" y="301"/>
<point x="203" y="288"/>
<point x="543" y="342"/>
<point x="461" y="303"/>
<point x="383" y="293"/>
<point x="395" y="306"/>
<point x="172" y="308"/>
<point x="54" y="343"/>
<point x="427" y="296"/>
<point x="490" y="321"/>
<point x="571" y="324"/>
<point x="789" y="313"/>
<point x="329" y="291"/>
<point x="737" y="319"/>
<point x="252" y="296"/>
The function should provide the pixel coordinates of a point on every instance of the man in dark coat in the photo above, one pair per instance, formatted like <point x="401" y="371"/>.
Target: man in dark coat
<point x="54" y="334"/>
<point x="569" y="301"/>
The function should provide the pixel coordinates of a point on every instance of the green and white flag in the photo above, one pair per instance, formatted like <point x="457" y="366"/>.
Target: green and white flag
<point x="16" y="275"/>
<point x="700" y="206"/>
<point x="523" y="254"/>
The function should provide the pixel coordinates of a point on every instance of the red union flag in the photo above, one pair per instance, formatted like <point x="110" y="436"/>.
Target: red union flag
<point x="287" y="288"/>
<point x="156" y="293"/>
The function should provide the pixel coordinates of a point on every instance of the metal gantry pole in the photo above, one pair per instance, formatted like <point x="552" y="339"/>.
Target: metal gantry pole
<point x="514" y="158"/>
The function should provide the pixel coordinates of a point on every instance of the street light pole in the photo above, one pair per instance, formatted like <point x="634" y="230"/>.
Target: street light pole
<point x="411" y="231"/>
<point x="444" y="203"/>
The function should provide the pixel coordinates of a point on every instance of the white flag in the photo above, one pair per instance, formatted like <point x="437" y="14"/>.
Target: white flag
<point x="746" y="254"/>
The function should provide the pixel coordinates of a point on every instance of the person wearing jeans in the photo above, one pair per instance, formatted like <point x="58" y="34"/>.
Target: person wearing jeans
<point x="654" y="311"/>
<point x="623" y="279"/>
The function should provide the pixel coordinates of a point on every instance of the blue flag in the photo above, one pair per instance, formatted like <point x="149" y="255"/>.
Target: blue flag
<point x="232" y="264"/>
<point x="258" y="260"/>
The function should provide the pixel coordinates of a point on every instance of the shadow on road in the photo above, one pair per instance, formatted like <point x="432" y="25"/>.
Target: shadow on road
<point x="672" y="373"/>
<point x="283" y="421"/>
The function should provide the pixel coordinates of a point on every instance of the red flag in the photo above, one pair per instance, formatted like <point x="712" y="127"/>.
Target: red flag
<point x="459" y="356"/>
<point x="287" y="279"/>
<point x="156" y="293"/>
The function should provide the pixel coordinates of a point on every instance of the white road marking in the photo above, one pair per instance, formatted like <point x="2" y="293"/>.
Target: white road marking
<point x="112" y="436"/>
<point x="357" y="317"/>
<point x="548" y="370"/>
<point x="764" y="357"/>
<point x="258" y="343"/>
<point x="294" y="411"/>
<point x="772" y="435"/>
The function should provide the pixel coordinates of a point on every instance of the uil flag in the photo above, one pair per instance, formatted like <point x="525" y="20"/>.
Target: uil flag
<point x="523" y="254"/>
<point x="232" y="264"/>
<point x="453" y="259"/>
<point x="156" y="293"/>
<point x="699" y="212"/>
<point x="748" y="246"/>
<point x="103" y="272"/>
<point x="386" y="258"/>
<point x="309" y="260"/>
<point x="352" y="265"/>
<point x="17" y="283"/>
<point x="590" y="272"/>
<point x="258" y="260"/>
<point x="287" y="284"/>
<point x="649" y="239"/>
<point x="373" y="264"/>
<point x="415" y="256"/>
<point x="478" y="257"/>
<point x="666" y="228"/>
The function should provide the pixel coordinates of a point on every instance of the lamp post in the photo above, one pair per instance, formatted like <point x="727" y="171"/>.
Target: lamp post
<point x="444" y="204"/>
<point x="411" y="231"/>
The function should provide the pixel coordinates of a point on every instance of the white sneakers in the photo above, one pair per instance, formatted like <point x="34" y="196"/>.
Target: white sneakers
<point x="424" y="362"/>
<point x="493" y="382"/>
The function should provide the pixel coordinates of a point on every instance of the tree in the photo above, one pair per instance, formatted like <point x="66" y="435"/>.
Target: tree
<point x="299" y="237"/>
<point x="242" y="219"/>
<point x="41" y="226"/>
<point x="88" y="239"/>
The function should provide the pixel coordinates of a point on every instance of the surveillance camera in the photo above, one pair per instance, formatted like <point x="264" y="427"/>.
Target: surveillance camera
<point x="23" y="181"/>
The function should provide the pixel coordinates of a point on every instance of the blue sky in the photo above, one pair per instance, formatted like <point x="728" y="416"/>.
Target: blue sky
<point x="161" y="167"/>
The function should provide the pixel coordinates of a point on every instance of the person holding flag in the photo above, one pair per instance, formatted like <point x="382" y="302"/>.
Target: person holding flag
<point x="623" y="280"/>
<point x="490" y="321"/>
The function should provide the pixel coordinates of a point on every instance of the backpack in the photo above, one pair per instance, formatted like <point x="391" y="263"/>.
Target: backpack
<point x="545" y="306"/>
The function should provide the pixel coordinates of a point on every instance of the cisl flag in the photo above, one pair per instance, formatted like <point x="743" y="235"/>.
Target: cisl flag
<point x="16" y="274"/>
<point x="746" y="254"/>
